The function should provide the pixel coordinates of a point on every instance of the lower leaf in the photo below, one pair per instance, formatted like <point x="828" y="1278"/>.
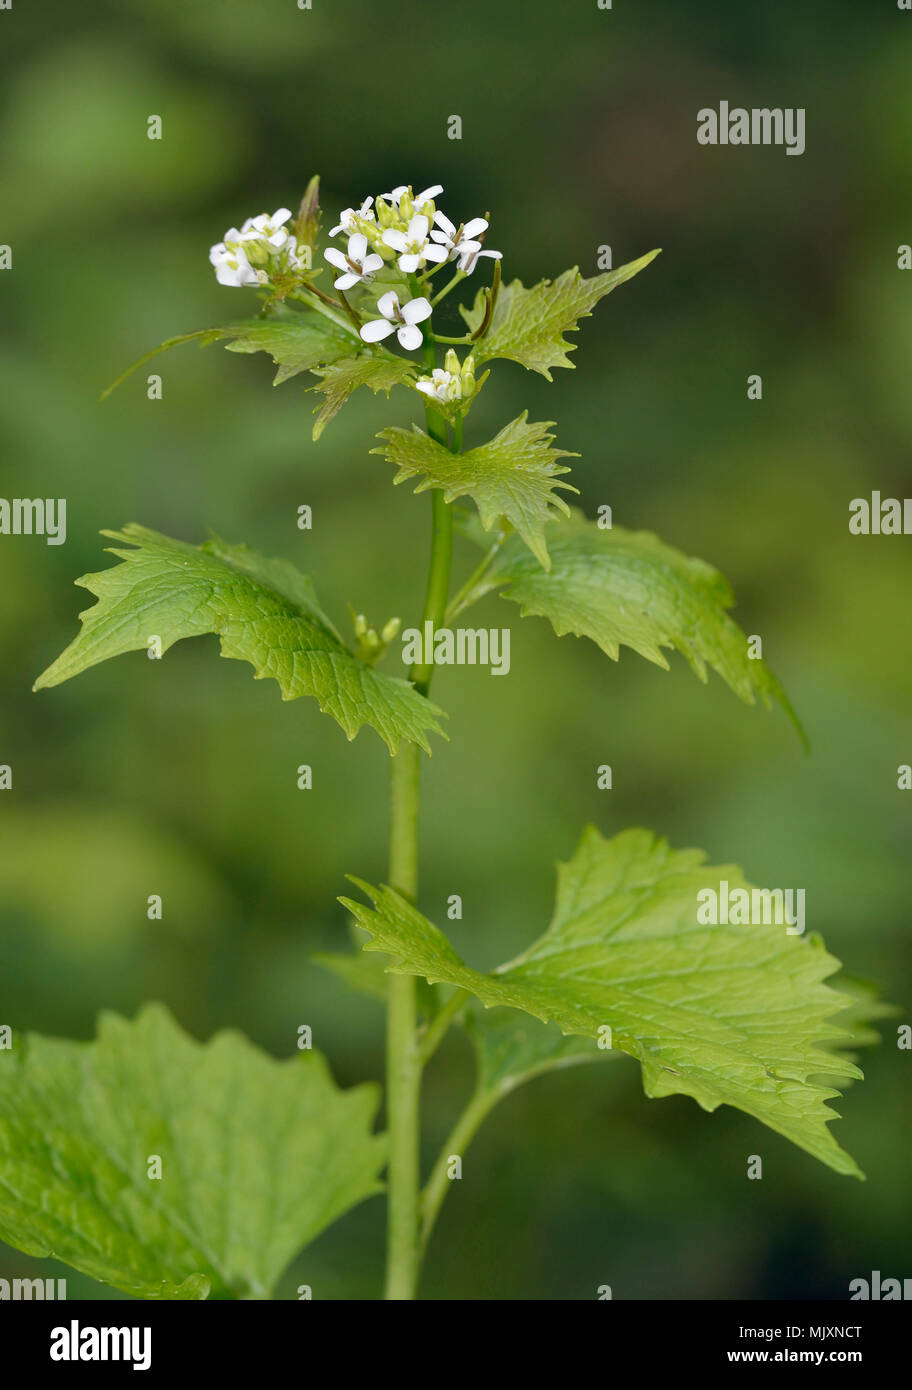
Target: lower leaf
<point x="728" y="1014"/>
<point x="175" y="1170"/>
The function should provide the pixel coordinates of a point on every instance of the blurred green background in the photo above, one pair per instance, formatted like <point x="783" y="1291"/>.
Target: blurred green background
<point x="579" y="129"/>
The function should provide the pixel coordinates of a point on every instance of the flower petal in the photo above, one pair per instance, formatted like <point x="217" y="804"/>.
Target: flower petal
<point x="346" y="281"/>
<point x="375" y="330"/>
<point x="418" y="228"/>
<point x="435" y="253"/>
<point x="410" y="337"/>
<point x="409" y="263"/>
<point x="388" y="304"/>
<point x="335" y="257"/>
<point x="473" y="227"/>
<point x="427" y="193"/>
<point x="357" y="247"/>
<point x="416" y="311"/>
<point x="443" y="222"/>
<point x="396" y="239"/>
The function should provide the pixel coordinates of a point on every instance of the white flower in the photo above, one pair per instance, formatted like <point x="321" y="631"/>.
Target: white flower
<point x="395" y="196"/>
<point x="450" y="383"/>
<point x="231" y="264"/>
<point x="414" y="246"/>
<point x="452" y="237"/>
<point x="468" y="253"/>
<point x="348" y="215"/>
<point x="297" y="257"/>
<point x="443" y="386"/>
<point x="464" y="243"/>
<point x="266" y="228"/>
<point x="400" y="319"/>
<point x="357" y="266"/>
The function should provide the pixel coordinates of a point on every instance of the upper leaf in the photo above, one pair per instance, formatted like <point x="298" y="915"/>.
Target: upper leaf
<point x="256" y="1156"/>
<point x="511" y="476"/>
<point x="528" y="325"/>
<point x="265" y="612"/>
<point x="381" y="371"/>
<point x="735" y="1015"/>
<point x="628" y="588"/>
<point x="297" y="341"/>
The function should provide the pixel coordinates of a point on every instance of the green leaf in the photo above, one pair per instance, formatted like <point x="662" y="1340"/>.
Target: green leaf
<point x="297" y="341"/>
<point x="257" y="1156"/>
<point x="511" y="476"/>
<point x="358" y="972"/>
<point x="366" y="976"/>
<point x="265" y="612"/>
<point x="628" y="588"/>
<point x="379" y="371"/>
<point x="863" y="1007"/>
<point x="528" y="325"/>
<point x="735" y="1015"/>
<point x="511" y="1050"/>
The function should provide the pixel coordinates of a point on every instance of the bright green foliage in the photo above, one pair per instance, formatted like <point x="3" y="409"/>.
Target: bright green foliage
<point x="365" y="975"/>
<point x="265" y="612"/>
<point x="528" y="325"/>
<point x="735" y="1015"/>
<point x="257" y="1157"/>
<point x="627" y="588"/>
<point x="381" y="371"/>
<point x="358" y="972"/>
<point x="296" y="340"/>
<point x="512" y="1050"/>
<point x="864" y="1006"/>
<point x="512" y="476"/>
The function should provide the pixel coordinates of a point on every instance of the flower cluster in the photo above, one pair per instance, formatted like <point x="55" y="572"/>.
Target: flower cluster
<point x="261" y="252"/>
<point x="410" y="230"/>
<point x="400" y="239"/>
<point x="451" y="384"/>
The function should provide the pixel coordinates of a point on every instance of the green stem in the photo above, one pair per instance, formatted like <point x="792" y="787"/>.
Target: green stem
<point x="327" y="307"/>
<point x="437" y="1028"/>
<point x="461" y="1135"/>
<point x="460" y="275"/>
<point x="403" y="1073"/>
<point x="465" y="597"/>
<point x="403" y="1062"/>
<point x="439" y="338"/>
